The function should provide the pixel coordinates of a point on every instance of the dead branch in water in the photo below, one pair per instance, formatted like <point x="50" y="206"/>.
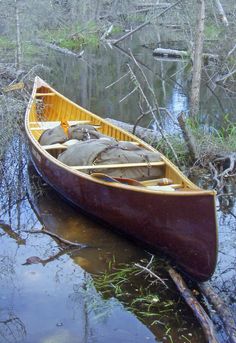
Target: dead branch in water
<point x="198" y="310"/>
<point x="221" y="308"/>
<point x="54" y="235"/>
<point x="59" y="49"/>
<point x="150" y="272"/>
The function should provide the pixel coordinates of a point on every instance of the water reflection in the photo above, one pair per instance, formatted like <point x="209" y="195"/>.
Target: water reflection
<point x="103" y="248"/>
<point x="85" y="81"/>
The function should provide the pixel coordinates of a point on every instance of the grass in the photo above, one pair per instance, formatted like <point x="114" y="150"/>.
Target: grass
<point x="142" y="297"/>
<point x="5" y="43"/>
<point x="210" y="141"/>
<point x="212" y="31"/>
<point x="74" y="39"/>
<point x="214" y="140"/>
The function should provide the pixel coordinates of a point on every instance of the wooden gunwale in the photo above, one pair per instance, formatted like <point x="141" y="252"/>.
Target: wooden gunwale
<point x="192" y="190"/>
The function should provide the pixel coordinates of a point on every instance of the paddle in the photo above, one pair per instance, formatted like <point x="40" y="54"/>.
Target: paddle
<point x="108" y="178"/>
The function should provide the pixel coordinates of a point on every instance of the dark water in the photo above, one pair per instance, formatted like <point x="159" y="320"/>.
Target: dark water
<point x="58" y="300"/>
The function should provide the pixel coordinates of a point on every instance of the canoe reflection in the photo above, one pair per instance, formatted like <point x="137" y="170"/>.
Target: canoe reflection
<point x="101" y="245"/>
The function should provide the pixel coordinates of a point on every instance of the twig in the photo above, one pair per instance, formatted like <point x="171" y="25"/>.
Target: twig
<point x="151" y="273"/>
<point x="65" y="241"/>
<point x="113" y="83"/>
<point x="137" y="83"/>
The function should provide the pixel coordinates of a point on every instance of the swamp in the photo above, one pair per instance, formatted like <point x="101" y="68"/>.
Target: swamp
<point x="65" y="277"/>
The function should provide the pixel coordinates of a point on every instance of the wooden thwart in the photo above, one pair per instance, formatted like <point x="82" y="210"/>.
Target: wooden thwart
<point x="44" y="125"/>
<point x="45" y="94"/>
<point x="123" y="165"/>
<point x="55" y="146"/>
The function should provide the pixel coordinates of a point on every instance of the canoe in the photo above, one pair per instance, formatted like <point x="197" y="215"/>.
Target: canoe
<point x="182" y="222"/>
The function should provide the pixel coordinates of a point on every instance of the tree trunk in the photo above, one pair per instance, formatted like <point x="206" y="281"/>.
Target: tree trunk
<point x="18" y="39"/>
<point x="197" y="60"/>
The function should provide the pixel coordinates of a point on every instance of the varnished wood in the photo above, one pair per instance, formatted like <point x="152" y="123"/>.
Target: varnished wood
<point x="55" y="146"/>
<point x="181" y="222"/>
<point x="45" y="94"/>
<point x="123" y="165"/>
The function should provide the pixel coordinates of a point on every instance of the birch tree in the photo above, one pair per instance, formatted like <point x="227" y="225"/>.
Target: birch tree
<point x="197" y="59"/>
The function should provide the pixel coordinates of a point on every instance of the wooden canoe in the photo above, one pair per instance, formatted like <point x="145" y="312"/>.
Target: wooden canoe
<point x="182" y="223"/>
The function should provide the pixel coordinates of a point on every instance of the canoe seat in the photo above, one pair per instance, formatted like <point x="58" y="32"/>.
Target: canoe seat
<point x="45" y="94"/>
<point x="54" y="146"/>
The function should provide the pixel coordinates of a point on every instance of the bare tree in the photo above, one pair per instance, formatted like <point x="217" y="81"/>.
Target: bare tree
<point x="197" y="59"/>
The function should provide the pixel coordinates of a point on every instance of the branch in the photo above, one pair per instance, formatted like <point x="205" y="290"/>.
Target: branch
<point x="198" y="310"/>
<point x="54" y="235"/>
<point x="223" y="311"/>
<point x="144" y="24"/>
<point x="221" y="11"/>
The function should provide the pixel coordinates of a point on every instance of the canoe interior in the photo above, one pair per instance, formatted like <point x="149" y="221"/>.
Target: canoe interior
<point x="49" y="106"/>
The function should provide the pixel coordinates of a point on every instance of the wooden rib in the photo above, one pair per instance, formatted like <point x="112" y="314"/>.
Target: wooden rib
<point x="45" y="94"/>
<point x="123" y="165"/>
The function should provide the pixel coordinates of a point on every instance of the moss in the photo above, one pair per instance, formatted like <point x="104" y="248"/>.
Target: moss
<point x="212" y="31"/>
<point x="30" y="50"/>
<point x="5" y="43"/>
<point x="116" y="29"/>
<point x="88" y="35"/>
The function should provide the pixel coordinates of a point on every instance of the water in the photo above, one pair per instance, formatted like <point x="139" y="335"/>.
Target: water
<point x="58" y="300"/>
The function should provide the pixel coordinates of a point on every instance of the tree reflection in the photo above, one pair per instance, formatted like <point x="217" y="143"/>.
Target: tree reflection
<point x="12" y="329"/>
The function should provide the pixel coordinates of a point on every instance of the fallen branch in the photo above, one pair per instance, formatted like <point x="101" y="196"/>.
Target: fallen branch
<point x="107" y="32"/>
<point x="144" y="24"/>
<point x="58" y="48"/>
<point x="198" y="310"/>
<point x="151" y="273"/>
<point x="147" y="135"/>
<point x="171" y="53"/>
<point x="221" y="11"/>
<point x="54" y="235"/>
<point x="222" y="310"/>
<point x="180" y="54"/>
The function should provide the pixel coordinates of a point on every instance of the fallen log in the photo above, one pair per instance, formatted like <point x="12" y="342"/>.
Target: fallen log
<point x="222" y="310"/>
<point x="147" y="135"/>
<point x="198" y="310"/>
<point x="58" y="48"/>
<point x="171" y="53"/>
<point x="180" y="54"/>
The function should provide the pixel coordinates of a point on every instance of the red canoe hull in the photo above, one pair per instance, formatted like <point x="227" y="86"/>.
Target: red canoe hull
<point x="184" y="227"/>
